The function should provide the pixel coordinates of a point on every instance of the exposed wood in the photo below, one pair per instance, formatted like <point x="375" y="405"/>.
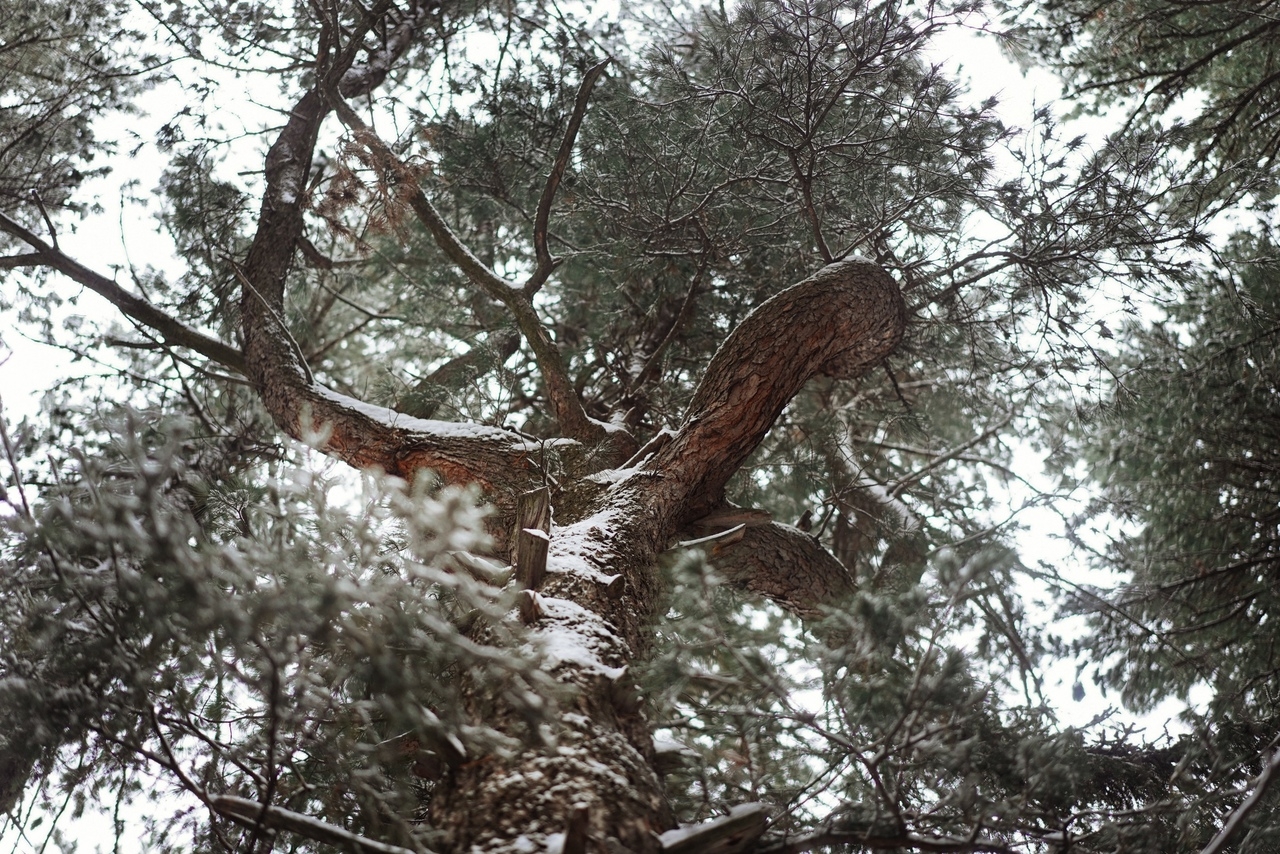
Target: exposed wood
<point x="531" y="540"/>
<point x="575" y="831"/>
<point x="529" y="604"/>
<point x="531" y="557"/>
<point x="533" y="510"/>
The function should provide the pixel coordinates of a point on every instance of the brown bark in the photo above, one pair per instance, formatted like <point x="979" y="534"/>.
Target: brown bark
<point x="837" y="322"/>
<point x="786" y="565"/>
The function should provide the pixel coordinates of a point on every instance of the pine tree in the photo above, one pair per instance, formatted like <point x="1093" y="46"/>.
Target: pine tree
<point x="588" y="301"/>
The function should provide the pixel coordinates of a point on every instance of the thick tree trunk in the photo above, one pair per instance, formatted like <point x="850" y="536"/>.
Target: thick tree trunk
<point x="593" y="610"/>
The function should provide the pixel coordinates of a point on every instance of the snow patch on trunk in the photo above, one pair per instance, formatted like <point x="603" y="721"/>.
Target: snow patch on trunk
<point x="570" y="634"/>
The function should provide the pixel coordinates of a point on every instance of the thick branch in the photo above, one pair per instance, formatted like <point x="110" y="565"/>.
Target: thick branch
<point x="361" y="435"/>
<point x="360" y="80"/>
<point x="786" y="565"/>
<point x="171" y="330"/>
<point x="871" y="840"/>
<point x="842" y="320"/>
<point x="838" y="322"/>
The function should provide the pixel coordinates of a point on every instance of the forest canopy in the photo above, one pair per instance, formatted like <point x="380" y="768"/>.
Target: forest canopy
<point x="536" y="427"/>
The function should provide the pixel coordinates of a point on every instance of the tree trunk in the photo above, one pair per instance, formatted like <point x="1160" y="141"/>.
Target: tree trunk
<point x="838" y="322"/>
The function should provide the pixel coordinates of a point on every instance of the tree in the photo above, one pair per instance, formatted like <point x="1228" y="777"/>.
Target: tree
<point x="632" y="273"/>
<point x="1181" y="445"/>
<point x="1206" y="70"/>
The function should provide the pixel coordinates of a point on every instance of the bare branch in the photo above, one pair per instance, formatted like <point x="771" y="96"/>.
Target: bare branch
<point x="48" y="221"/>
<point x="360" y="435"/>
<point x="546" y="263"/>
<point x="28" y="259"/>
<point x="171" y="330"/>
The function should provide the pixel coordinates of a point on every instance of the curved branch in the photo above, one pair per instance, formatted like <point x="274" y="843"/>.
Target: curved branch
<point x="361" y="435"/>
<point x="546" y="263"/>
<point x="839" y="322"/>
<point x="172" y="331"/>
<point x="254" y="814"/>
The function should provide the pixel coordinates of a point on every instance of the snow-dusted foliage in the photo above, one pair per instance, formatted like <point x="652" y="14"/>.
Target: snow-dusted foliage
<point x="296" y="639"/>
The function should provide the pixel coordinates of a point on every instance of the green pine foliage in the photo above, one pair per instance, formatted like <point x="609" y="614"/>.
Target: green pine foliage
<point x="290" y="630"/>
<point x="1188" y="457"/>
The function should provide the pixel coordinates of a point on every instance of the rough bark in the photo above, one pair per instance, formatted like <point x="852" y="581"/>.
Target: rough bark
<point x="839" y="321"/>
<point x="786" y="565"/>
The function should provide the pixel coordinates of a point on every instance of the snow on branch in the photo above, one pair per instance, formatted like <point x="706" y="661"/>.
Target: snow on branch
<point x="255" y="814"/>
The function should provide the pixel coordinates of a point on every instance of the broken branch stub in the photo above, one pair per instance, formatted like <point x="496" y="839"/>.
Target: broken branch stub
<point x="531" y="557"/>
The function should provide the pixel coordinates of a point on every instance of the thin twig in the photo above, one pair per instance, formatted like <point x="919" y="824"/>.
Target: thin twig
<point x="44" y="213"/>
<point x="1246" y="806"/>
